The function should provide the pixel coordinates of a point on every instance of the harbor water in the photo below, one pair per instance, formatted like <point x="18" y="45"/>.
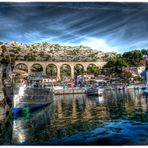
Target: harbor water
<point x="118" y="117"/>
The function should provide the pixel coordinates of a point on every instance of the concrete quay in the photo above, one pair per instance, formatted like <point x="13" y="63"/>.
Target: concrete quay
<point x="68" y="91"/>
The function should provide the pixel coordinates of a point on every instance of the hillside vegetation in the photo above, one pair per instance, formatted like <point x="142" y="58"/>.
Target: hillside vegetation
<point x="50" y="52"/>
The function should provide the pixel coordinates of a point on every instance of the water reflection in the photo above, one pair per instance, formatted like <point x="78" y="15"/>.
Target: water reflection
<point x="5" y="129"/>
<point x="87" y="119"/>
<point x="31" y="127"/>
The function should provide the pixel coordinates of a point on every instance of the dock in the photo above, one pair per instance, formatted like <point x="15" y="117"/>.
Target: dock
<point x="67" y="91"/>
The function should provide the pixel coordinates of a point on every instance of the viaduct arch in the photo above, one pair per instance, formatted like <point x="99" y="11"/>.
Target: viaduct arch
<point x="58" y="65"/>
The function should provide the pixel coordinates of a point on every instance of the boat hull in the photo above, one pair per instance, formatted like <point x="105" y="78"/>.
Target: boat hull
<point x="94" y="92"/>
<point x="32" y="108"/>
<point x="145" y="93"/>
<point x="30" y="99"/>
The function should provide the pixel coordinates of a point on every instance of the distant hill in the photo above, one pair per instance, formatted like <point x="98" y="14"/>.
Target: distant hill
<point x="51" y="52"/>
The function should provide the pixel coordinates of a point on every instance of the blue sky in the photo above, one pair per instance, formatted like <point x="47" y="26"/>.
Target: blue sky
<point x="104" y="26"/>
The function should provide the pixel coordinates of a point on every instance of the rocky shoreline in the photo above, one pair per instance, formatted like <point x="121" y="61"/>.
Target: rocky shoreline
<point x="5" y="93"/>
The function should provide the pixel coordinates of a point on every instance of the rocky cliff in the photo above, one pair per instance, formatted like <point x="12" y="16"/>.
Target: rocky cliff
<point x="50" y="52"/>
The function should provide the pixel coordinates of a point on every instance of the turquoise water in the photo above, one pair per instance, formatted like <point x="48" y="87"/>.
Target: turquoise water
<point x="116" y="118"/>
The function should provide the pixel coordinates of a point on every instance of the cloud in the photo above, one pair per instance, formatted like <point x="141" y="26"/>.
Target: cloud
<point x="102" y="26"/>
<point x="98" y="44"/>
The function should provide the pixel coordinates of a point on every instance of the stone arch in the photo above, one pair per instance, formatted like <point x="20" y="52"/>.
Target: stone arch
<point x="92" y="64"/>
<point x="65" y="71"/>
<point x="51" y="70"/>
<point x="22" y="66"/>
<point x="92" y="69"/>
<point x="78" y="69"/>
<point x="36" y="67"/>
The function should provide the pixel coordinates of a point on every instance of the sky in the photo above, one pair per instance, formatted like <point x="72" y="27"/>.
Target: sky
<point x="108" y="27"/>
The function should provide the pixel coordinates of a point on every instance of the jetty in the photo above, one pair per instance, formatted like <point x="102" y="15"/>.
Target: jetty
<point x="67" y="91"/>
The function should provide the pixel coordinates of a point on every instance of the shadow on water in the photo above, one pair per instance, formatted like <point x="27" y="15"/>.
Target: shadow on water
<point x="6" y="129"/>
<point x="116" y="118"/>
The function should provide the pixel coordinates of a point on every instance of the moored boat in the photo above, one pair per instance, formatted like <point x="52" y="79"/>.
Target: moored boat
<point x="31" y="99"/>
<point x="145" y="92"/>
<point x="95" y="91"/>
<point x="144" y="87"/>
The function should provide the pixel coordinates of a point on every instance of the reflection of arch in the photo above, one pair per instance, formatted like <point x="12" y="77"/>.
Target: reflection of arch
<point x="36" y="68"/>
<point x="22" y="66"/>
<point x="51" y="70"/>
<point x="78" y="69"/>
<point x="65" y="70"/>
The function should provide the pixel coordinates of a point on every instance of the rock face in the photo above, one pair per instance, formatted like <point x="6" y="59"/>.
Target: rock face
<point x="1" y="85"/>
<point x="51" y="52"/>
<point x="3" y="104"/>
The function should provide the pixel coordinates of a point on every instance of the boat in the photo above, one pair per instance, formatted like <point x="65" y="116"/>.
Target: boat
<point x="30" y="99"/>
<point x="30" y="108"/>
<point x="146" y="83"/>
<point x="95" y="91"/>
<point x="54" y="86"/>
<point x="136" y="87"/>
<point x="145" y="92"/>
<point x="58" y="87"/>
<point x="144" y="87"/>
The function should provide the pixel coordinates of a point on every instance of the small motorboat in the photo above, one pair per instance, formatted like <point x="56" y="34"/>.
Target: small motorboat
<point x="94" y="91"/>
<point x="145" y="92"/>
<point x="136" y="87"/>
<point x="144" y="87"/>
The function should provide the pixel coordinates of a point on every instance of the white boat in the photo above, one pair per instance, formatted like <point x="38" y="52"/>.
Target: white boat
<point x="145" y="92"/>
<point x="26" y="98"/>
<point x="58" y="87"/>
<point x="53" y="86"/>
<point x="145" y="88"/>
<point x="95" y="91"/>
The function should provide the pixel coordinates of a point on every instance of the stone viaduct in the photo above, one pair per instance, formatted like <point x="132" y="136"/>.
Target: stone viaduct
<point x="58" y="65"/>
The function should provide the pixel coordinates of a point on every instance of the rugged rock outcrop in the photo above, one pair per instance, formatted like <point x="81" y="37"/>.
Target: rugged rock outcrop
<point x="51" y="52"/>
